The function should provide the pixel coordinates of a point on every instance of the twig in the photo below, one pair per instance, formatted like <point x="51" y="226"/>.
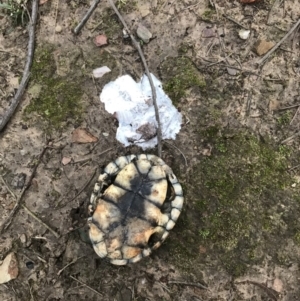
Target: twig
<point x="212" y="3"/>
<point x="163" y="286"/>
<point x="11" y="192"/>
<point x="290" y="138"/>
<point x="297" y="111"/>
<point x="164" y="4"/>
<point x="249" y="98"/>
<point x="80" y="191"/>
<point x="73" y="261"/>
<point x="294" y="167"/>
<point x="56" y="14"/>
<point x="8" y="221"/>
<point x="138" y="47"/>
<point x="185" y="160"/>
<point x="235" y="22"/>
<point x="30" y="291"/>
<point x="40" y="221"/>
<point x="279" y="43"/>
<point x="271" y="292"/>
<point x="39" y="237"/>
<point x="29" y="211"/>
<point x="78" y="28"/>
<point x="189" y="284"/>
<point x="81" y="161"/>
<point x="82" y="283"/>
<point x="16" y="100"/>
<point x="191" y="6"/>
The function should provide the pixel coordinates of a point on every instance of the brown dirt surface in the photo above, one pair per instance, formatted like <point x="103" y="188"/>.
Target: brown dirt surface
<point x="238" y="237"/>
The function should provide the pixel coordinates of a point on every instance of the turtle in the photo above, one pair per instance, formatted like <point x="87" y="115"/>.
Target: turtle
<point x="135" y="202"/>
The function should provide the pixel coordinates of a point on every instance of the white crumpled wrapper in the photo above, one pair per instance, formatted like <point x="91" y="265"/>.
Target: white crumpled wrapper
<point x="131" y="103"/>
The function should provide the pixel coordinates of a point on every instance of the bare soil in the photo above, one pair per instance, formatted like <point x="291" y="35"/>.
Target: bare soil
<point x="239" y="235"/>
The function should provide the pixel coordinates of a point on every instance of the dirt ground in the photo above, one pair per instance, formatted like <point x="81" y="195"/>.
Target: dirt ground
<point x="238" y="237"/>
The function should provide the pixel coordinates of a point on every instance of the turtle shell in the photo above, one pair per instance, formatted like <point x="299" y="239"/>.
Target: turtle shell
<point x="135" y="203"/>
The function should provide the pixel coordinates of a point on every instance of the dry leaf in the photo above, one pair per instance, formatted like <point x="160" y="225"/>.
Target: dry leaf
<point x="100" y="40"/>
<point x="43" y="2"/>
<point x="9" y="268"/>
<point x="66" y="160"/>
<point x="83" y="136"/>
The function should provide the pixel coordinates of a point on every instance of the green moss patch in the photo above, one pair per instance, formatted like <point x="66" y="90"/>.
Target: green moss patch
<point x="239" y="203"/>
<point x="56" y="99"/>
<point x="179" y="74"/>
<point x="209" y="15"/>
<point x="58" y="102"/>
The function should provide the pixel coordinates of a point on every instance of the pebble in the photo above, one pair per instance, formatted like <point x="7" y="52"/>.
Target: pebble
<point x="9" y="268"/>
<point x="208" y="33"/>
<point x="99" y="72"/>
<point x="23" y="239"/>
<point x="100" y="40"/>
<point x="58" y="29"/>
<point x="277" y="285"/>
<point x="231" y="71"/>
<point x="125" y="34"/>
<point x="23" y="152"/>
<point x="244" y="34"/>
<point x="143" y="33"/>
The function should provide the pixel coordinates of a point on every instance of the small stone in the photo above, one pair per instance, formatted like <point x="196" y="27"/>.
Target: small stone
<point x="244" y="34"/>
<point x="100" y="40"/>
<point x="23" y="152"/>
<point x="58" y="29"/>
<point x="99" y="72"/>
<point x="143" y="33"/>
<point x="278" y="285"/>
<point x="232" y="71"/>
<point x="125" y="34"/>
<point x="9" y="268"/>
<point x="23" y="239"/>
<point x="105" y="134"/>
<point x="208" y="33"/>
<point x="66" y="160"/>
<point x="262" y="47"/>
